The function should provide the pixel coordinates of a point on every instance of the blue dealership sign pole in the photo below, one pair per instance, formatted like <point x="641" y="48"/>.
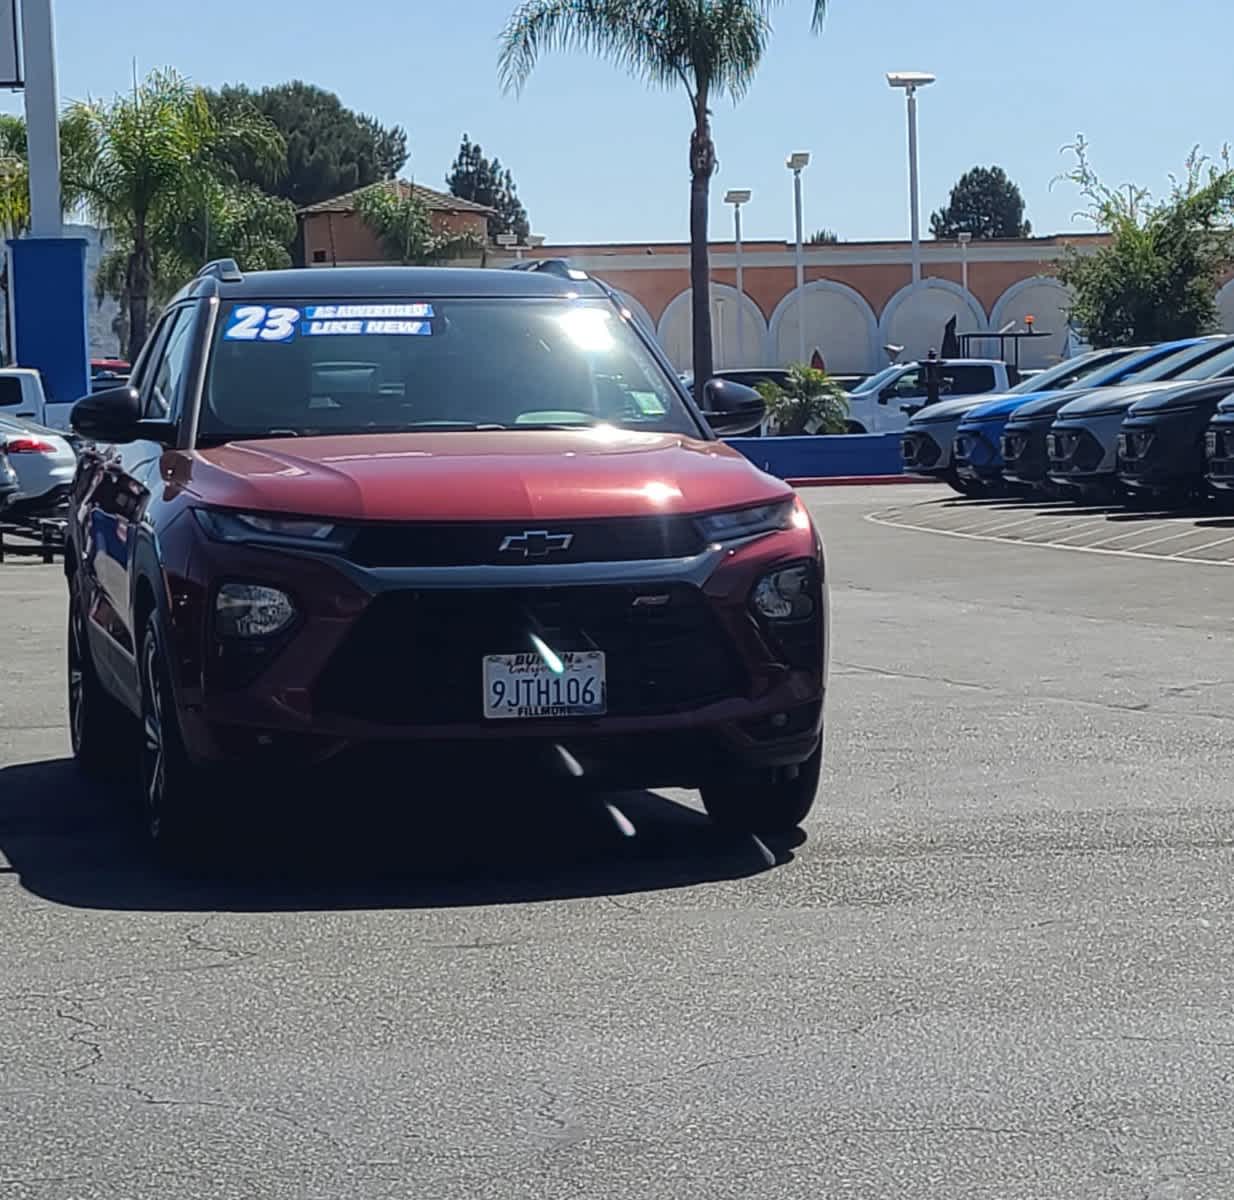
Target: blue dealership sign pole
<point x="47" y="269"/>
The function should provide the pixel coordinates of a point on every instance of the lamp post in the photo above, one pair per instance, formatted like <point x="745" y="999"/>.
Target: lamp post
<point x="737" y="197"/>
<point x="797" y="163"/>
<point x="910" y="81"/>
<point x="964" y="239"/>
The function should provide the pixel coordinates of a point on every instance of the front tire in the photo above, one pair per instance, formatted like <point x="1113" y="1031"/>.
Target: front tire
<point x="171" y="790"/>
<point x="766" y="801"/>
<point x="100" y="729"/>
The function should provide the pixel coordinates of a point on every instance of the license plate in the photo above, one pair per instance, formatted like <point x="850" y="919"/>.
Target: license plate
<point x="524" y="686"/>
<point x="1051" y="445"/>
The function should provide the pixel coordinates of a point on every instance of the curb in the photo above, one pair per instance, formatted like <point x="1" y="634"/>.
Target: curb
<point x="856" y="480"/>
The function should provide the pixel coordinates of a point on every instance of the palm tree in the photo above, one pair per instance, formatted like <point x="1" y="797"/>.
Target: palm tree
<point x="709" y="47"/>
<point x="139" y="160"/>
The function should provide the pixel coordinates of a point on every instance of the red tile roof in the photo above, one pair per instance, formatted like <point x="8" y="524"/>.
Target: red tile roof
<point x="434" y="201"/>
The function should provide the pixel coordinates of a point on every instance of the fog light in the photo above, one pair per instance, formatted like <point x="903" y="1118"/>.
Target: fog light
<point x="786" y="594"/>
<point x="245" y="610"/>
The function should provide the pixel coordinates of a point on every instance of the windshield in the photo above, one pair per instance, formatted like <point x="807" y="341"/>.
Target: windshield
<point x="1213" y="366"/>
<point x="1067" y="372"/>
<point x="289" y="369"/>
<point x="876" y="381"/>
<point x="1172" y="365"/>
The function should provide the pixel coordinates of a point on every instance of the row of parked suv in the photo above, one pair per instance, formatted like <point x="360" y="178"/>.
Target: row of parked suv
<point x="1153" y="421"/>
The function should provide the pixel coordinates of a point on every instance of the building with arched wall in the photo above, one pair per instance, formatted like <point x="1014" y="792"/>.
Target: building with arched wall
<point x="857" y="297"/>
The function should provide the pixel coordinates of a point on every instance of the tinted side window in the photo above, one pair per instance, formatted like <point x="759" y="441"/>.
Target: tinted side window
<point x="910" y="383"/>
<point x="10" y="391"/>
<point x="172" y="363"/>
<point x="968" y="381"/>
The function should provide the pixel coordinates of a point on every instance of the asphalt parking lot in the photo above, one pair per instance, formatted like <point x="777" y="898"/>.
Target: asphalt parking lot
<point x="998" y="965"/>
<point x="1203" y="533"/>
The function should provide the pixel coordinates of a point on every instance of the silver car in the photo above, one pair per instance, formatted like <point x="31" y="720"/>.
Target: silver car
<point x="43" y="462"/>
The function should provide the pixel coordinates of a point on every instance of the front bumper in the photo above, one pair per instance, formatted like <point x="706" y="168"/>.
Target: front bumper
<point x="977" y="451"/>
<point x="926" y="447"/>
<point x="1164" y="453"/>
<point x="1084" y="454"/>
<point x="1023" y="449"/>
<point x="388" y="655"/>
<point x="1219" y="453"/>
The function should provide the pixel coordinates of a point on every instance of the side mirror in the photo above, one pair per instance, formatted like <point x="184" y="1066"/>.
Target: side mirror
<point x="732" y="408"/>
<point x="114" y="417"/>
<point x="887" y="394"/>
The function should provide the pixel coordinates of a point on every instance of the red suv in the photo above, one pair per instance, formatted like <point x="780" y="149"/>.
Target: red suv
<point x="441" y="509"/>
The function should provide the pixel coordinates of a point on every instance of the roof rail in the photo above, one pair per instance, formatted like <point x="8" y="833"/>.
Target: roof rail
<point x="551" y="266"/>
<point x="226" y="270"/>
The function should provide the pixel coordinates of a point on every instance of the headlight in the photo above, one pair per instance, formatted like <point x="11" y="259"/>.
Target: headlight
<point x="746" y="522"/>
<point x="249" y="527"/>
<point x="246" y="610"/>
<point x="786" y="594"/>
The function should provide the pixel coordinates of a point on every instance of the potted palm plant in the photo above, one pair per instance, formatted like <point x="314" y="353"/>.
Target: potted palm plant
<point x="809" y="401"/>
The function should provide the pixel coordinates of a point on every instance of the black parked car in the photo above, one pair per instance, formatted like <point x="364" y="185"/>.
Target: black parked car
<point x="1219" y="446"/>
<point x="1161" y="447"/>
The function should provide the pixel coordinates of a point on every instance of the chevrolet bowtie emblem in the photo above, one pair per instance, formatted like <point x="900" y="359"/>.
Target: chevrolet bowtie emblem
<point x="536" y="543"/>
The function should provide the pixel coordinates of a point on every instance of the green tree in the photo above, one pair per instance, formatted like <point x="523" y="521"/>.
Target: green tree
<point x="476" y="178"/>
<point x="1157" y="277"/>
<point x="985" y="203"/>
<point x="330" y="150"/>
<point x="824" y="237"/>
<point x="709" y="48"/>
<point x="810" y="402"/>
<point x="401" y="222"/>
<point x="148" y="156"/>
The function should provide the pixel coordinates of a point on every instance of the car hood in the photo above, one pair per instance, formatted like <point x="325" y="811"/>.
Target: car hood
<point x="947" y="410"/>
<point x="1003" y="406"/>
<point x="1108" y="399"/>
<point x="1175" y="400"/>
<point x="529" y="475"/>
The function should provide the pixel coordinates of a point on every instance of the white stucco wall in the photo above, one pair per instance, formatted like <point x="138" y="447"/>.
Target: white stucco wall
<point x="839" y="324"/>
<point x="1046" y="301"/>
<point x="1225" y="307"/>
<point x="675" y="330"/>
<point x="915" y="317"/>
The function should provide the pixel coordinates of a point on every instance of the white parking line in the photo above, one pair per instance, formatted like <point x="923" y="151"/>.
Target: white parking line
<point x="1209" y="545"/>
<point x="879" y="519"/>
<point x="1079" y="531"/>
<point x="1004" y="525"/>
<point x="1169" y="537"/>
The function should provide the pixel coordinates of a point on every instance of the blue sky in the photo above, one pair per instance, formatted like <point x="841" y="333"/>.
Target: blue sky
<point x="599" y="158"/>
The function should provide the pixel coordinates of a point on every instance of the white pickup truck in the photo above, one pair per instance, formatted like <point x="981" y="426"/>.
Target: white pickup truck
<point x="884" y="402"/>
<point x="21" y="395"/>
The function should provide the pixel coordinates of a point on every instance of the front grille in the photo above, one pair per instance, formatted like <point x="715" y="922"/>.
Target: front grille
<point x="415" y="657"/>
<point x="919" y="450"/>
<point x="622" y="539"/>
<point x="1073" y="451"/>
<point x="1219" y="444"/>
<point x="1134" y="445"/>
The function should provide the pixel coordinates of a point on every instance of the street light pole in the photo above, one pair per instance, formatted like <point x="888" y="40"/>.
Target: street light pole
<point x="797" y="163"/>
<point x="737" y="197"/>
<point x="964" y="239"/>
<point x="42" y="118"/>
<point x="910" y="81"/>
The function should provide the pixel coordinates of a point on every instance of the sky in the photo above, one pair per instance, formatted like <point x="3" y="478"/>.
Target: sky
<point x="600" y="158"/>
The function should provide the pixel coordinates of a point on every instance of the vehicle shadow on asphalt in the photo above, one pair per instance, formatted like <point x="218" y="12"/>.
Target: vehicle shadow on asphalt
<point x="76" y="843"/>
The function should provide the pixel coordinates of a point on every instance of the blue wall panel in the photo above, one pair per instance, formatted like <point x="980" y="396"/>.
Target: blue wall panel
<point x="822" y="457"/>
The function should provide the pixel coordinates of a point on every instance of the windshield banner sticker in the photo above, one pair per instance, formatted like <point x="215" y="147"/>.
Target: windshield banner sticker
<point x="257" y="323"/>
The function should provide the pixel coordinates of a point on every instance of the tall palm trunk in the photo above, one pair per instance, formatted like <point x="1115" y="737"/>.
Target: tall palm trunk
<point x="139" y="291"/>
<point x="702" y="167"/>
